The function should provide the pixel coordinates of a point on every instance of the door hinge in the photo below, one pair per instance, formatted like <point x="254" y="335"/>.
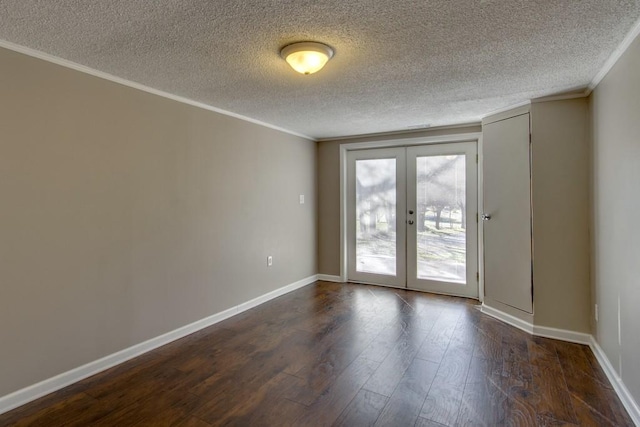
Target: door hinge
<point x="477" y="276"/>
<point x="476" y="217"/>
<point x="477" y="155"/>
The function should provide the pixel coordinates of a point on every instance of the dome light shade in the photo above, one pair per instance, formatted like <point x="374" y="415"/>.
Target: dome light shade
<point x="306" y="57"/>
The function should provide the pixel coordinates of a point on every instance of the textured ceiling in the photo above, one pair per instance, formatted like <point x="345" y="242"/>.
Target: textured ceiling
<point x="398" y="64"/>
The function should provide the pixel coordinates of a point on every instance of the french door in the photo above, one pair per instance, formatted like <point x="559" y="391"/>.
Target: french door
<point x="412" y="217"/>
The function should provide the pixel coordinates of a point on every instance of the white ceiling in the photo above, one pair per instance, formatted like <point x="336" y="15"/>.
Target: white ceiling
<point x="398" y="64"/>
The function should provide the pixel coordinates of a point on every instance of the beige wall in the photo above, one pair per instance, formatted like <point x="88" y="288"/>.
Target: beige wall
<point x="615" y="105"/>
<point x="125" y="215"/>
<point x="329" y="208"/>
<point x="560" y="195"/>
<point x="329" y="190"/>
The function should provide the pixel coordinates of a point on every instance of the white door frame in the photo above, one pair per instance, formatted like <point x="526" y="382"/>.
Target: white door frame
<point x="404" y="142"/>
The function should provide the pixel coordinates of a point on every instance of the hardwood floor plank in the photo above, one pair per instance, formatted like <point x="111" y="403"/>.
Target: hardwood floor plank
<point x="466" y="330"/>
<point x="169" y="405"/>
<point x="71" y="410"/>
<point x="209" y="338"/>
<point x="443" y="404"/>
<point x="161" y="416"/>
<point x="382" y="344"/>
<point x="256" y="366"/>
<point x="380" y="305"/>
<point x="142" y="365"/>
<point x="435" y="345"/>
<point x="275" y="411"/>
<point x="232" y="389"/>
<point x="483" y="403"/>
<point x="576" y="363"/>
<point x="592" y="366"/>
<point x="445" y="396"/>
<point x="363" y="410"/>
<point x="34" y="411"/>
<point x="328" y="407"/>
<point x="591" y="393"/>
<point x="454" y="368"/>
<point x="347" y="355"/>
<point x="488" y="348"/>
<point x="392" y="369"/>
<point x="522" y="413"/>
<point x="328" y="358"/>
<point x="132" y="387"/>
<point x="405" y="403"/>
<point x="192" y="422"/>
<point x="517" y="381"/>
<point x="589" y="417"/>
<point x="553" y="399"/>
<point x="487" y="401"/>
<point x="242" y="405"/>
<point x="422" y="422"/>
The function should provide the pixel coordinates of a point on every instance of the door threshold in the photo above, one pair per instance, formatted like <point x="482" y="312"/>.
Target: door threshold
<point x="357" y="282"/>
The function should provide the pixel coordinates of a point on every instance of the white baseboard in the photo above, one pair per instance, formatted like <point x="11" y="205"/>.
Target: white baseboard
<point x="507" y="318"/>
<point x="329" y="278"/>
<point x="35" y="391"/>
<point x="562" y="335"/>
<point x="623" y="392"/>
<point x="540" y="331"/>
<point x="580" y="338"/>
<point x="275" y="294"/>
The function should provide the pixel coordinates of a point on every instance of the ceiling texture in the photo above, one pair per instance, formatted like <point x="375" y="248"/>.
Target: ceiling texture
<point x="398" y="65"/>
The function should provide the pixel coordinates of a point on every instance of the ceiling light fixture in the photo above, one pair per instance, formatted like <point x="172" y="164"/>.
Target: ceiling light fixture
<point x="306" y="57"/>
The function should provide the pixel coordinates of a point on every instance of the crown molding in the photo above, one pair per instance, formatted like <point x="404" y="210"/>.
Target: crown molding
<point x="110" y="77"/>
<point x="409" y="133"/>
<point x="563" y="96"/>
<point x="614" y="57"/>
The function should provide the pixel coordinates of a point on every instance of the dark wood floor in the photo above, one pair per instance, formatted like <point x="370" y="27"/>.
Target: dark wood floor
<point x="347" y="355"/>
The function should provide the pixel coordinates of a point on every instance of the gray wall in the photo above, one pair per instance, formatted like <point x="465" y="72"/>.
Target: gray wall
<point x="615" y="105"/>
<point x="329" y="191"/>
<point x="560" y="194"/>
<point x="126" y="215"/>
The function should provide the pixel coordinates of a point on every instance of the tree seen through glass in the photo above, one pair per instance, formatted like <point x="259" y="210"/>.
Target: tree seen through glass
<point x="440" y="217"/>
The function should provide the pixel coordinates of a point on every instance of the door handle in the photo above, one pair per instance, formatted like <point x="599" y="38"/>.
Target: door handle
<point x="486" y="217"/>
<point x="410" y="222"/>
<point x="410" y="212"/>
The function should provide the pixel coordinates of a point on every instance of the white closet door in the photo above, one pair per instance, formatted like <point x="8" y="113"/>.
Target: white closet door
<point x="507" y="212"/>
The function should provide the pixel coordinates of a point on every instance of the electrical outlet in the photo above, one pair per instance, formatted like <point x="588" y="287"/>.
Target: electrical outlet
<point x="596" y="312"/>
<point x="302" y="199"/>
<point x="269" y="261"/>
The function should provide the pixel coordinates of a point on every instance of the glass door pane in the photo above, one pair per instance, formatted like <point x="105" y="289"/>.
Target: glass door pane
<point x="376" y="216"/>
<point x="442" y="237"/>
<point x="440" y="223"/>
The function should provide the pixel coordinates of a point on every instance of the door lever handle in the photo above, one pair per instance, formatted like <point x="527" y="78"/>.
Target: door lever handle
<point x="486" y="217"/>
<point x="410" y="222"/>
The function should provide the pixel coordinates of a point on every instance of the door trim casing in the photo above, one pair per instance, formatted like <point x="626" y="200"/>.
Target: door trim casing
<point x="404" y="142"/>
